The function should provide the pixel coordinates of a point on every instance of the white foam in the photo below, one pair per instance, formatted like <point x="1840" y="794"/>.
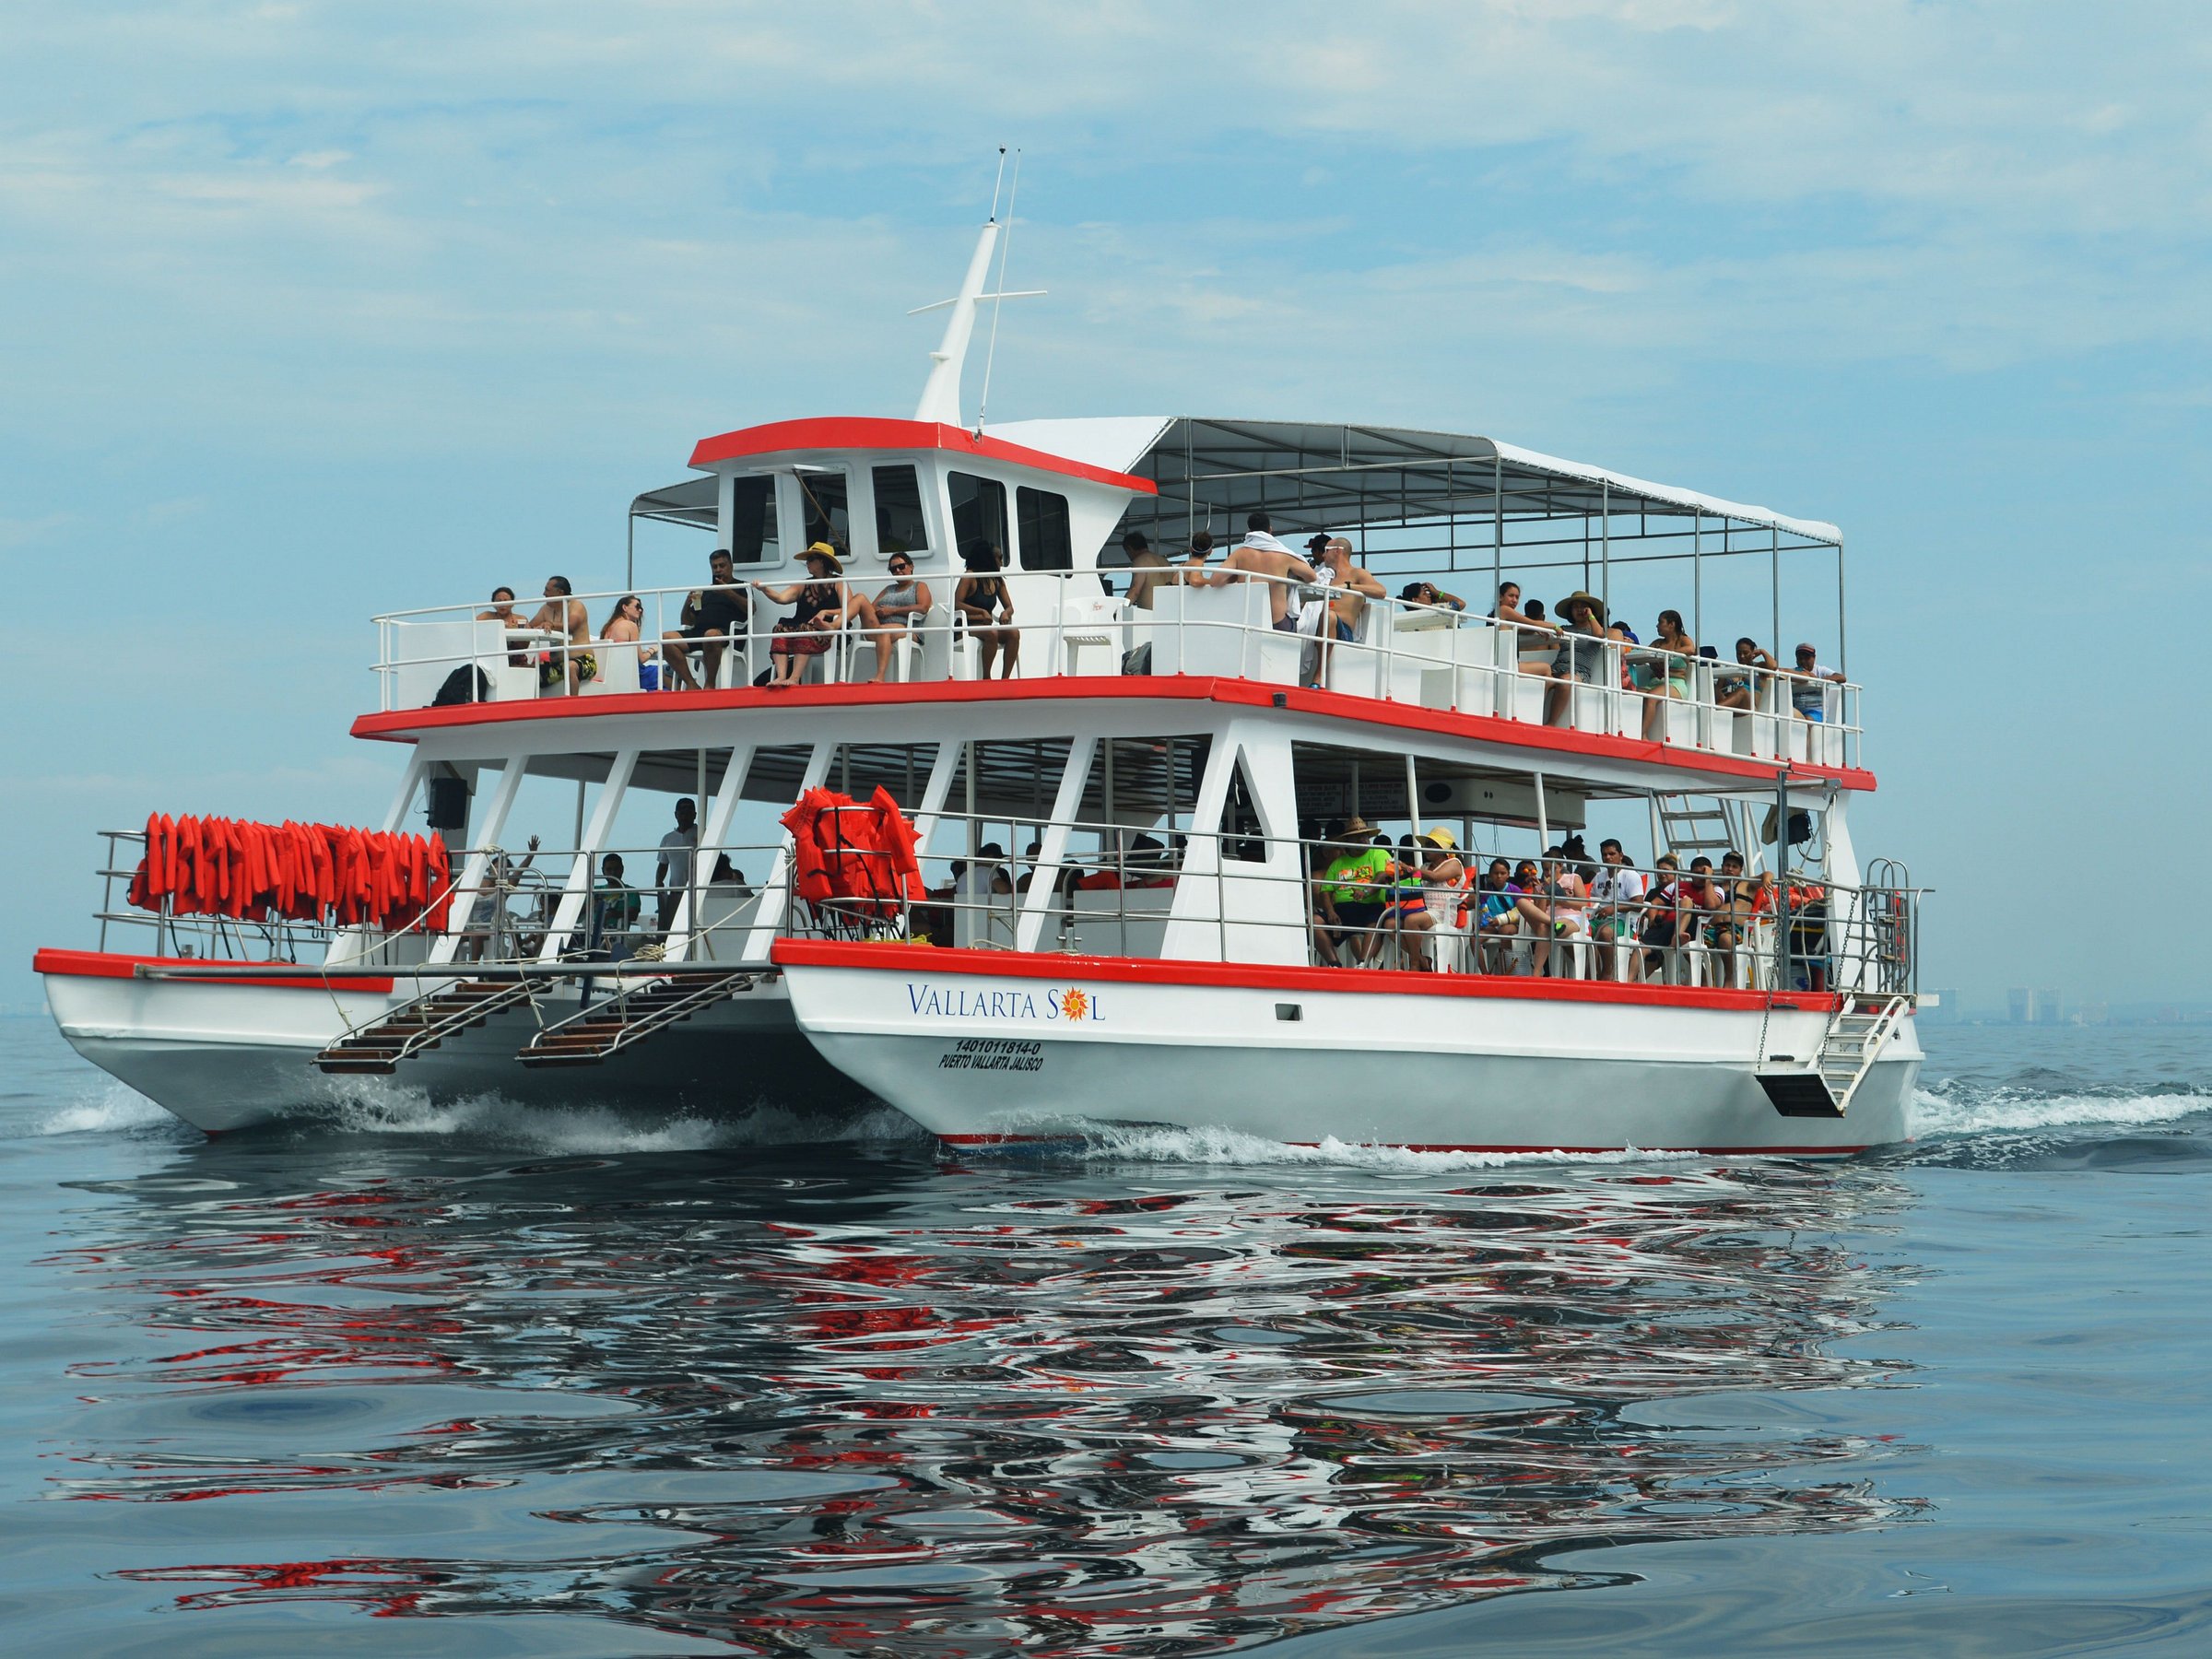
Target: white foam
<point x="117" y="1109"/>
<point x="1213" y="1145"/>
<point x="2005" y="1109"/>
<point x="387" y="1109"/>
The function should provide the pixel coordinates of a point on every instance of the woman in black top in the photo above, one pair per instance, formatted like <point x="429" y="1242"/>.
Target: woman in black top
<point x="985" y="607"/>
<point x="817" y="611"/>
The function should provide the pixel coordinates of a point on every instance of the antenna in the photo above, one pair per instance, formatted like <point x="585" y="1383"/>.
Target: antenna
<point x="941" y="393"/>
<point x="1005" y="246"/>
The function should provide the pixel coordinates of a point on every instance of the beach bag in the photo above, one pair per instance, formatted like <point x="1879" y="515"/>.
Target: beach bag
<point x="458" y="687"/>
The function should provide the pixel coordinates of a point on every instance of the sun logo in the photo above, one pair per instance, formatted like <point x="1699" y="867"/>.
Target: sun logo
<point x="1074" y="1003"/>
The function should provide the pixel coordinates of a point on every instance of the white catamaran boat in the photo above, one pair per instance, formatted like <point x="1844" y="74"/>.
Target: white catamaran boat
<point x="1203" y="853"/>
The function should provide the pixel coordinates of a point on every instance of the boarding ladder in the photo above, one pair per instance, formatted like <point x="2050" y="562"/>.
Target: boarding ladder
<point x="377" y="1047"/>
<point x="1690" y="825"/>
<point x="1855" y="1034"/>
<point x="607" y="1027"/>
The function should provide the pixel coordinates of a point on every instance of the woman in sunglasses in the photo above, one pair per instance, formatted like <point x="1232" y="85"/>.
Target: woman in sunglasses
<point x="895" y="613"/>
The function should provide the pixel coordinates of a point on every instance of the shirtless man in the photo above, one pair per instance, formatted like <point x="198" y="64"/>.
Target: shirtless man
<point x="562" y="615"/>
<point x="1355" y="583"/>
<point x="1260" y="554"/>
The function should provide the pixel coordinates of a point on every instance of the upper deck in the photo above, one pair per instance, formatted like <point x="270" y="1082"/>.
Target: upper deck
<point x="1465" y="514"/>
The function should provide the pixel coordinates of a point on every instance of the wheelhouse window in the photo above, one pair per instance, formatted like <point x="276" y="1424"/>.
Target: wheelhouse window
<point x="899" y="524"/>
<point x="979" y="508"/>
<point x="822" y="499"/>
<point x="1041" y="515"/>
<point x="753" y="521"/>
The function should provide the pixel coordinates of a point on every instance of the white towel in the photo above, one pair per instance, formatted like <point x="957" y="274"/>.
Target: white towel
<point x="1265" y="542"/>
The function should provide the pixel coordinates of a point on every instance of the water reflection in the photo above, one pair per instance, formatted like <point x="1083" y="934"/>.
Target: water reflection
<point x="876" y="1404"/>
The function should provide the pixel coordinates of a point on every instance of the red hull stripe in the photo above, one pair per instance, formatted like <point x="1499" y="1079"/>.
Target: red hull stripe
<point x="874" y="433"/>
<point x="1007" y="964"/>
<point x="399" y="725"/>
<point x="103" y="964"/>
<point x="1014" y="1140"/>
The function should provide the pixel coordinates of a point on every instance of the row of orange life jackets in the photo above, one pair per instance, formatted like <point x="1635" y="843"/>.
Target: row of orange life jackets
<point x="217" y="866"/>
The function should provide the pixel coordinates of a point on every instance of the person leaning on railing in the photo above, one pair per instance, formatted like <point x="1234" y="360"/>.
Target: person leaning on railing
<point x="502" y="612"/>
<point x="1581" y="657"/>
<point x="1533" y="643"/>
<point x="1737" y="690"/>
<point x="1259" y="554"/>
<point x="1806" y="685"/>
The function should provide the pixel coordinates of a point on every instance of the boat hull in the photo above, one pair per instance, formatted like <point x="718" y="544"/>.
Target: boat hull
<point x="229" y="1055"/>
<point x="1006" y="1050"/>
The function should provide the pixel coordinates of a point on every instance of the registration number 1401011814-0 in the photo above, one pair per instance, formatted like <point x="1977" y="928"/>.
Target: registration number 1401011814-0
<point x="992" y="1053"/>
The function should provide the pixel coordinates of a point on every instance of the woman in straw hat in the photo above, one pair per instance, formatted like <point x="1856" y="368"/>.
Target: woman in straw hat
<point x="1582" y="653"/>
<point x="817" y="611"/>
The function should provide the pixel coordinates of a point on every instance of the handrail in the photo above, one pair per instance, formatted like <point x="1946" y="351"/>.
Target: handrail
<point x="1427" y="654"/>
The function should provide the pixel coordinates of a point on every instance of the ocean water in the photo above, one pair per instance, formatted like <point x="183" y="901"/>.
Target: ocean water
<point x="478" y="1380"/>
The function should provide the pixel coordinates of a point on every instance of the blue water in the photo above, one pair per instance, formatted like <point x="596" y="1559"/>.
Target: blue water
<point x="478" y="1381"/>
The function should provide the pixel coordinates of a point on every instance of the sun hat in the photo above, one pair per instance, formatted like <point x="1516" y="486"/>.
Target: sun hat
<point x="1354" y="825"/>
<point x="1440" y="837"/>
<point x="1565" y="607"/>
<point x="828" y="554"/>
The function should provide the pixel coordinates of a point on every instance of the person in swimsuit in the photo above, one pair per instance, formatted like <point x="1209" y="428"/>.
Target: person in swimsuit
<point x="1531" y="638"/>
<point x="985" y="606"/>
<point x="895" y="613"/>
<point x="1734" y="691"/>
<point x="623" y="625"/>
<point x="1260" y="554"/>
<point x="818" y="612"/>
<point x="502" y="612"/>
<point x="565" y="615"/>
<point x="1669" y="678"/>
<point x="1194" y="557"/>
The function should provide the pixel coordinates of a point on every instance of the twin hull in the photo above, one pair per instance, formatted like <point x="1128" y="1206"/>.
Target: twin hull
<point x="224" y="1056"/>
<point x="979" y="1058"/>
<point x="976" y="1058"/>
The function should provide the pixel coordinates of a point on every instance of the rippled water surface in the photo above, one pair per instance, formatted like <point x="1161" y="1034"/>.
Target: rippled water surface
<point x="481" y="1381"/>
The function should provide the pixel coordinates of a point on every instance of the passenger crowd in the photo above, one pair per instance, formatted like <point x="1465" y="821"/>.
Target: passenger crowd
<point x="1322" y="599"/>
<point x="1372" y="899"/>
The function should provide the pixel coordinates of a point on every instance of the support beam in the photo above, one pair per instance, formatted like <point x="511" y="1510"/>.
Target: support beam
<point x="775" y="895"/>
<point x="713" y="831"/>
<point x="1067" y="801"/>
<point x="578" y="892"/>
<point x="476" y="867"/>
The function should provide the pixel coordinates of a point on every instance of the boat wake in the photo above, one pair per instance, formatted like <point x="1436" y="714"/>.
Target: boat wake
<point x="1103" y="1143"/>
<point x="1960" y="1109"/>
<point x="108" y="1107"/>
<point x="496" y="1120"/>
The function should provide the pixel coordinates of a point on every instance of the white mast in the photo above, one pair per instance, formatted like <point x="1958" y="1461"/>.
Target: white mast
<point x="941" y="393"/>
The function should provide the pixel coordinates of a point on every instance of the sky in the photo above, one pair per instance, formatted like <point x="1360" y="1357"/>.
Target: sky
<point x="309" y="311"/>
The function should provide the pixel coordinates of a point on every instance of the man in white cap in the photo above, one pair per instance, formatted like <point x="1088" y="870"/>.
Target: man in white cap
<point x="1260" y="554"/>
<point x="1805" y="695"/>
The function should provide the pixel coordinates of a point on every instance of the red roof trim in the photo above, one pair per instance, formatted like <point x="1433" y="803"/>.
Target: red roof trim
<point x="107" y="964"/>
<point x="1006" y="964"/>
<point x="876" y="432"/>
<point x="983" y="1141"/>
<point x="398" y="725"/>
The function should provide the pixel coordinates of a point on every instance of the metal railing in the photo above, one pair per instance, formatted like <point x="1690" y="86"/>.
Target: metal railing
<point x="1350" y="903"/>
<point x="1065" y="624"/>
<point x="1354" y="904"/>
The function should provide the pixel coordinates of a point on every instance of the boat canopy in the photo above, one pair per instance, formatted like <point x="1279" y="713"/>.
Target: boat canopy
<point x="1316" y="475"/>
